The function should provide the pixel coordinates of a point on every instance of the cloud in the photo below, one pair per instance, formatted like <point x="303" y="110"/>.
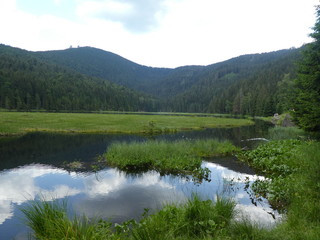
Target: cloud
<point x="19" y="185"/>
<point x="137" y="16"/>
<point x="257" y="215"/>
<point x="6" y="210"/>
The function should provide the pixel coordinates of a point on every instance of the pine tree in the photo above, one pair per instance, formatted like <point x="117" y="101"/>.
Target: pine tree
<point x="307" y="84"/>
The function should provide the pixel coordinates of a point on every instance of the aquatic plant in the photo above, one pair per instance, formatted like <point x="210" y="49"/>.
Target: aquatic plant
<point x="179" y="157"/>
<point x="195" y="219"/>
<point x="49" y="220"/>
<point x="274" y="160"/>
<point x="283" y="133"/>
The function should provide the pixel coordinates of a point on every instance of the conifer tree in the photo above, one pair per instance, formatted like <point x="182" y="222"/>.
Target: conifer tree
<point x="307" y="85"/>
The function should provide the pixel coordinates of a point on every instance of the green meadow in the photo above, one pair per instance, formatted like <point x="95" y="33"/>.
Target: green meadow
<point x="12" y="123"/>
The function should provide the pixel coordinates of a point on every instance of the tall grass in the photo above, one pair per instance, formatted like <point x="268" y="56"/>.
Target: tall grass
<point x="196" y="219"/>
<point x="49" y="220"/>
<point x="282" y="133"/>
<point x="303" y="218"/>
<point x="167" y="157"/>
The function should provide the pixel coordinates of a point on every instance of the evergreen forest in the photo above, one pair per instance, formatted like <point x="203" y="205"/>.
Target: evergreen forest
<point x="90" y="79"/>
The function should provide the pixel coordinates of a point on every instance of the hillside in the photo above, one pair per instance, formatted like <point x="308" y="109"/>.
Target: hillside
<point x="255" y="84"/>
<point x="106" y="65"/>
<point x="29" y="82"/>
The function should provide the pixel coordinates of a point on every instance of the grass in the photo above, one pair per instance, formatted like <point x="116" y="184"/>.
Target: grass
<point x="194" y="219"/>
<point x="49" y="220"/>
<point x="293" y="183"/>
<point x="283" y="133"/>
<point x="303" y="219"/>
<point x="182" y="156"/>
<point x="23" y="122"/>
<point x="293" y="171"/>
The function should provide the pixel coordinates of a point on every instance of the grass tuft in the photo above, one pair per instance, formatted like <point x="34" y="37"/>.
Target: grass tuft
<point x="179" y="157"/>
<point x="49" y="220"/>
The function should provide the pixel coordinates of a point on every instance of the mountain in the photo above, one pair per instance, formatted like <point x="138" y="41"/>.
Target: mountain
<point x="106" y="65"/>
<point x="250" y="84"/>
<point x="29" y="82"/>
<point x="255" y="84"/>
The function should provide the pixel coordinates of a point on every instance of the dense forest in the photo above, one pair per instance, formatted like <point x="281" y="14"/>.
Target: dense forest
<point x="256" y="85"/>
<point x="27" y="82"/>
<point x="86" y="78"/>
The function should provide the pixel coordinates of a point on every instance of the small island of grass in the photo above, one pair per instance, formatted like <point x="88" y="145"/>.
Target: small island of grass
<point x="178" y="157"/>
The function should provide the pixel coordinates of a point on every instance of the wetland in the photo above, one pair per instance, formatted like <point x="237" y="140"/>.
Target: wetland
<point x="68" y="167"/>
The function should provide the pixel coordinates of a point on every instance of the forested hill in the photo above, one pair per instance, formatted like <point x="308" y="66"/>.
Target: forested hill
<point x="29" y="82"/>
<point x="255" y="84"/>
<point x="106" y="65"/>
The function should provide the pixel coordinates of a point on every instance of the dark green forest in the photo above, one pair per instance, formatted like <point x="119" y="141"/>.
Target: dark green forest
<point x="90" y="79"/>
<point x="27" y="82"/>
<point x="306" y="100"/>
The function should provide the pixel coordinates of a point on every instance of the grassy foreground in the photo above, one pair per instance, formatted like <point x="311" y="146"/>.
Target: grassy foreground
<point x="24" y="122"/>
<point x="195" y="219"/>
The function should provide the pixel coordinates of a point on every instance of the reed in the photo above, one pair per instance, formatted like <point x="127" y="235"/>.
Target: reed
<point x="182" y="157"/>
<point x="196" y="219"/>
<point x="49" y="220"/>
<point x="282" y="133"/>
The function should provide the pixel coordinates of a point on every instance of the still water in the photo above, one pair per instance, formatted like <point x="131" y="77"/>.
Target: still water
<point x="35" y="166"/>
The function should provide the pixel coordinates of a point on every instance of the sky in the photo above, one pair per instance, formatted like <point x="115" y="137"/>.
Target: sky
<point x="159" y="33"/>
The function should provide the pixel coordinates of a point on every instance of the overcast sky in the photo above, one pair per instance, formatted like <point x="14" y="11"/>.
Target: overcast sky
<point x="159" y="33"/>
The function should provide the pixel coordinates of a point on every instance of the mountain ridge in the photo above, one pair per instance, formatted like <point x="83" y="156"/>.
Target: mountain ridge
<point x="211" y="88"/>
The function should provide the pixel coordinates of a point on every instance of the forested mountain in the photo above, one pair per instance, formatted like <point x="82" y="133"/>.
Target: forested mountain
<point x="80" y="79"/>
<point x="28" y="82"/>
<point x="255" y="84"/>
<point x="106" y="65"/>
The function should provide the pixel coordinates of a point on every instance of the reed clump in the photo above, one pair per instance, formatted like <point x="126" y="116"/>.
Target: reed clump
<point x="184" y="156"/>
<point x="49" y="220"/>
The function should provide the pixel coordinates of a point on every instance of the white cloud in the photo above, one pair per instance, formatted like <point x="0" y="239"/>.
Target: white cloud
<point x="167" y="33"/>
<point x="59" y="191"/>
<point x="6" y="210"/>
<point x="257" y="215"/>
<point x="18" y="186"/>
<point x="57" y="2"/>
<point x="137" y="16"/>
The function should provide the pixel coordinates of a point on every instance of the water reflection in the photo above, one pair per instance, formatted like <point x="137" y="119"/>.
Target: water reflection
<point x="55" y="149"/>
<point x="34" y="166"/>
<point x="114" y="195"/>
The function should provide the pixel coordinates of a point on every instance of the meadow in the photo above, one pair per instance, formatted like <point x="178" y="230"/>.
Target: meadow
<point x="12" y="123"/>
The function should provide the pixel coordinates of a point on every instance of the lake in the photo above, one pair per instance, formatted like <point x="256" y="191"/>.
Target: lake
<point x="37" y="166"/>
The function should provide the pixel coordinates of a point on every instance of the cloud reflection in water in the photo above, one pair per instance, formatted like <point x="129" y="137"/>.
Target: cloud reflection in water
<point x="114" y="195"/>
